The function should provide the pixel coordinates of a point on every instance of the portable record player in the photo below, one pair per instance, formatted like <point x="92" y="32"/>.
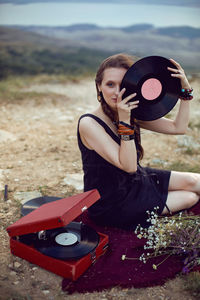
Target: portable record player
<point x="49" y="238"/>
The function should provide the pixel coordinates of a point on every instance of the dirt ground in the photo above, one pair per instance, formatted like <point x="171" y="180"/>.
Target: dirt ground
<point x="39" y="152"/>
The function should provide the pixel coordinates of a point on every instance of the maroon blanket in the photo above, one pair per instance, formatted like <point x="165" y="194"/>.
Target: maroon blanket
<point x="110" y="270"/>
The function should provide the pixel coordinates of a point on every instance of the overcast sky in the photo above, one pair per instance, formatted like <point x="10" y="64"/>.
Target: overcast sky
<point x="103" y="13"/>
<point x="157" y="2"/>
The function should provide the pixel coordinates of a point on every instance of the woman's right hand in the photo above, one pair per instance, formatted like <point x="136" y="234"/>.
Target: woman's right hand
<point x="124" y="106"/>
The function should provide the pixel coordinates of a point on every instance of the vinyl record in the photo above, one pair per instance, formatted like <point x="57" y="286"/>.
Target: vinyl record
<point x="32" y="204"/>
<point x="156" y="89"/>
<point x="69" y="242"/>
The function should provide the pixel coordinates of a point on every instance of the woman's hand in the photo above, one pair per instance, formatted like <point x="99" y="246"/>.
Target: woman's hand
<point x="124" y="106"/>
<point x="179" y="73"/>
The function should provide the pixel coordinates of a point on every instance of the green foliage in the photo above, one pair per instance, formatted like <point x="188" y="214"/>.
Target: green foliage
<point x="24" y="60"/>
<point x="182" y="167"/>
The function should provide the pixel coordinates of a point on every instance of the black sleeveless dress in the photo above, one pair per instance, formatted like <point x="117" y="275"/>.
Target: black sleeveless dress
<point x="125" y="197"/>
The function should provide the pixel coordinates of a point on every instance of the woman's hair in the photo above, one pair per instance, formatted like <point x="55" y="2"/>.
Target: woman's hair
<point x="120" y="60"/>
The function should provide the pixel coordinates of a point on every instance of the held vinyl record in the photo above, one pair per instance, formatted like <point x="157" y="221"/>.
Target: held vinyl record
<point x="156" y="89"/>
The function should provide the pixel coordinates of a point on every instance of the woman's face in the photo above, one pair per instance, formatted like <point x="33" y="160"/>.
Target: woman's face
<point x="110" y="85"/>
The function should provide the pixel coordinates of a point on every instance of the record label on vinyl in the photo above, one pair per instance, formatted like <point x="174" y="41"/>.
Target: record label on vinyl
<point x="156" y="89"/>
<point x="66" y="239"/>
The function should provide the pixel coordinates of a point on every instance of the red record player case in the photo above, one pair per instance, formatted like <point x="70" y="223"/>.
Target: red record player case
<point x="53" y="215"/>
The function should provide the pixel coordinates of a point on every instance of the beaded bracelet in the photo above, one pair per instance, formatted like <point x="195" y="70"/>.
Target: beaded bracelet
<point x="126" y="125"/>
<point x="123" y="130"/>
<point x="186" y="94"/>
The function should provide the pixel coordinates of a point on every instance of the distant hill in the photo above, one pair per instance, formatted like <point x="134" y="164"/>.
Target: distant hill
<point x="187" y="32"/>
<point x="182" y="42"/>
<point x="31" y="53"/>
<point x="79" y="48"/>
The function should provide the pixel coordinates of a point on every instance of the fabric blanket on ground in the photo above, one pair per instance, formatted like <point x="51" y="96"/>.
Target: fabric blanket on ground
<point x="111" y="271"/>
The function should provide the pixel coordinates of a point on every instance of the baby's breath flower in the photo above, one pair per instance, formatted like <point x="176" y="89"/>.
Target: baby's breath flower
<point x="123" y="256"/>
<point x="174" y="235"/>
<point x="139" y="236"/>
<point x="154" y="267"/>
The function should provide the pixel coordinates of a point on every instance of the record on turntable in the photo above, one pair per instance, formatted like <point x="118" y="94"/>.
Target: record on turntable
<point x="49" y="237"/>
<point x="69" y="242"/>
<point x="72" y="241"/>
<point x="156" y="89"/>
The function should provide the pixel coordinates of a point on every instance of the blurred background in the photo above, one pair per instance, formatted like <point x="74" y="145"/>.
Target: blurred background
<point x="72" y="37"/>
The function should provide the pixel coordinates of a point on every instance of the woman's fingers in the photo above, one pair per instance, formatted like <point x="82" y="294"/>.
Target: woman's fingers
<point x="121" y="93"/>
<point x="128" y="98"/>
<point x="175" y="62"/>
<point x="178" y="72"/>
<point x="133" y="104"/>
<point x="128" y="105"/>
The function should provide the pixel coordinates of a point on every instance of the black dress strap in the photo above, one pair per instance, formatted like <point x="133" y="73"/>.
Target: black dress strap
<point x="104" y="125"/>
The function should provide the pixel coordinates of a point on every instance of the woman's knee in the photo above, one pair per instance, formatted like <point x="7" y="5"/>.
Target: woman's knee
<point x="184" y="181"/>
<point x="191" y="199"/>
<point x="191" y="181"/>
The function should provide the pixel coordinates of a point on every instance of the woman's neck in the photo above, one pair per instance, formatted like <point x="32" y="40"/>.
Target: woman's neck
<point x="100" y="113"/>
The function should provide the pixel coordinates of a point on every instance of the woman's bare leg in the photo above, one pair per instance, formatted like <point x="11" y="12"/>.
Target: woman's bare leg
<point x="184" y="181"/>
<point x="184" y="191"/>
<point x="179" y="200"/>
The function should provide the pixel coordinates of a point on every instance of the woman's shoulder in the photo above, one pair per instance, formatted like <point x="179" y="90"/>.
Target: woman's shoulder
<point x="91" y="118"/>
<point x="87" y="118"/>
<point x="88" y="121"/>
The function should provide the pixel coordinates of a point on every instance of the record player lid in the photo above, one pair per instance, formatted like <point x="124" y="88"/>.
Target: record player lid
<point x="54" y="214"/>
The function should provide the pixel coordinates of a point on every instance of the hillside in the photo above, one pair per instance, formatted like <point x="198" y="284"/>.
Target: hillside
<point x="79" y="48"/>
<point x="181" y="42"/>
<point x="32" y="53"/>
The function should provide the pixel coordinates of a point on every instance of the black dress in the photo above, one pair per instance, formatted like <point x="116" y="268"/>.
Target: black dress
<point x="125" y="197"/>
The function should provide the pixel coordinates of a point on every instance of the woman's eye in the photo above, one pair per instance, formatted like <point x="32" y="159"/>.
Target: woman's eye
<point x="110" y="84"/>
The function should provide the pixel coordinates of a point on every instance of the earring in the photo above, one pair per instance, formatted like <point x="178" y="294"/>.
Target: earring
<point x="99" y="97"/>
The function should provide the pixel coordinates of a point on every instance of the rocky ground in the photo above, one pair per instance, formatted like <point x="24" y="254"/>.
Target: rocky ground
<point x="39" y="156"/>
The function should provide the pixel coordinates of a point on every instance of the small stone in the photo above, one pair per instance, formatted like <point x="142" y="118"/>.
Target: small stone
<point x="26" y="196"/>
<point x="46" y="292"/>
<point x="158" y="161"/>
<point x="34" y="268"/>
<point x="76" y="180"/>
<point x="6" y="136"/>
<point x="16" y="282"/>
<point x="17" y="264"/>
<point x="13" y="273"/>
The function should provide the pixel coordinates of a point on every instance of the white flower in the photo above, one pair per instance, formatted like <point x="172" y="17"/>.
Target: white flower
<point x="123" y="256"/>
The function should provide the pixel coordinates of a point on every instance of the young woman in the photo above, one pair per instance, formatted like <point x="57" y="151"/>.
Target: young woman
<point x="109" y="141"/>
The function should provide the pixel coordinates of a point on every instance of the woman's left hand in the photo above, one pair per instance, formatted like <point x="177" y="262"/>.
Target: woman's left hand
<point x="179" y="73"/>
